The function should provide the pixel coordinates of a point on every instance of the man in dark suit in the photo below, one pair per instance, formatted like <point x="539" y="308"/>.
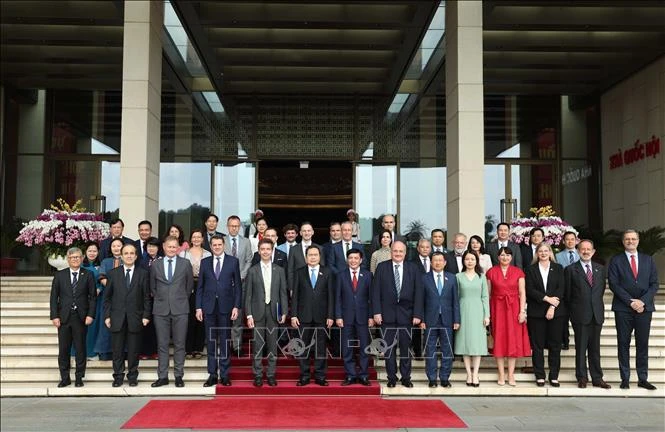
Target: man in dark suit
<point x="171" y="283"/>
<point x="210" y="223"/>
<point x="297" y="254"/>
<point x="127" y="309"/>
<point x="338" y="254"/>
<point x="528" y="251"/>
<point x="503" y="240"/>
<point x="335" y="237"/>
<point x="438" y="241"/>
<point x="265" y="305"/>
<point x="397" y="304"/>
<point x="145" y="232"/>
<point x="634" y="281"/>
<point x="117" y="227"/>
<point x="290" y="232"/>
<point x="585" y="286"/>
<point x="72" y="308"/>
<point x="453" y="258"/>
<point x="387" y="222"/>
<point x="442" y="317"/>
<point x="423" y="262"/>
<point x="312" y="310"/>
<point x="219" y="299"/>
<point x="278" y="257"/>
<point x="353" y="316"/>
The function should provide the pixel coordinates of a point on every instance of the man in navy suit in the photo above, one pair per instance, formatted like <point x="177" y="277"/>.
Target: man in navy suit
<point x="335" y="238"/>
<point x="397" y="304"/>
<point x="352" y="315"/>
<point x="278" y="257"/>
<point x="145" y="232"/>
<point x="339" y="251"/>
<point x="442" y="316"/>
<point x="634" y="281"/>
<point x="218" y="297"/>
<point x="117" y="227"/>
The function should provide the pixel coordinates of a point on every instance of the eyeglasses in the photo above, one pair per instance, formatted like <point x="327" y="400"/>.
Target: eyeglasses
<point x="76" y="257"/>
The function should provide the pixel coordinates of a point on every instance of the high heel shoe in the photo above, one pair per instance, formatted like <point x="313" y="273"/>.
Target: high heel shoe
<point x="477" y="382"/>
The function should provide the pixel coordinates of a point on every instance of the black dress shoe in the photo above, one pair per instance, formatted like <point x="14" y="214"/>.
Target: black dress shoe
<point x="160" y="382"/>
<point x="364" y="381"/>
<point x="117" y="383"/>
<point x="540" y="383"/>
<point x="646" y="385"/>
<point x="555" y="383"/>
<point x="348" y="381"/>
<point x="211" y="381"/>
<point x="624" y="385"/>
<point x="602" y="384"/>
<point x="565" y="347"/>
<point x="272" y="382"/>
<point x="432" y="384"/>
<point x="225" y="381"/>
<point x="407" y="383"/>
<point x="322" y="382"/>
<point x="79" y="382"/>
<point x="446" y="384"/>
<point x="392" y="383"/>
<point x="258" y="382"/>
<point x="133" y="383"/>
<point x="65" y="382"/>
<point x="582" y="382"/>
<point x="179" y="382"/>
<point x="302" y="382"/>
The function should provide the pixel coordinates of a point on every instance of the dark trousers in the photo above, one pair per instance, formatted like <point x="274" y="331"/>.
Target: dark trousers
<point x="71" y="332"/>
<point x="218" y="333"/>
<point x="626" y="322"/>
<point x="395" y="335"/>
<point x="355" y="336"/>
<point x="118" y="340"/>
<point x="149" y="339"/>
<point x="417" y="341"/>
<point x="316" y="331"/>
<point x="196" y="333"/>
<point x="444" y="336"/>
<point x="545" y="333"/>
<point x="336" y="341"/>
<point x="265" y="334"/>
<point x="587" y="340"/>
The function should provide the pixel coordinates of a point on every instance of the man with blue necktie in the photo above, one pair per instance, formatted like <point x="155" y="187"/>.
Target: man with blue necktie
<point x="567" y="257"/>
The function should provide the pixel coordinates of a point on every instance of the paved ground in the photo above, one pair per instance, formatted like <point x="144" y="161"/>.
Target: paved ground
<point x="480" y="413"/>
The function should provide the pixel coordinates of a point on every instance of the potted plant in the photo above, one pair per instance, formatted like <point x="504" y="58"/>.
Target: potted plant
<point x="545" y="218"/>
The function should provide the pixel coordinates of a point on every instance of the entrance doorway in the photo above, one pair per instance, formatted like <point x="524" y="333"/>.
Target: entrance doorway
<point x="315" y="191"/>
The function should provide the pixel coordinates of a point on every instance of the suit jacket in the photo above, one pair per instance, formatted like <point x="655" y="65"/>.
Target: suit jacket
<point x="243" y="253"/>
<point x="535" y="290"/>
<point x="376" y="243"/>
<point x="62" y="295"/>
<point x="206" y="242"/>
<point x="409" y="305"/>
<point x="624" y="285"/>
<point x="297" y="261"/>
<point x="584" y="301"/>
<point x="327" y="250"/>
<point x="451" y="263"/>
<point x="278" y="258"/>
<point x="492" y="250"/>
<point x="563" y="257"/>
<point x="131" y="304"/>
<point x="225" y="291"/>
<point x="105" y="246"/>
<point x="313" y="304"/>
<point x="337" y="256"/>
<point x="255" y="300"/>
<point x="527" y="255"/>
<point x="446" y="305"/>
<point x="353" y="308"/>
<point x="171" y="297"/>
<point x="284" y="248"/>
<point x="418" y="262"/>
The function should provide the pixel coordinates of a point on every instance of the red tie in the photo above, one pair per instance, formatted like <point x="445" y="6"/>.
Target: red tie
<point x="633" y="266"/>
<point x="354" y="281"/>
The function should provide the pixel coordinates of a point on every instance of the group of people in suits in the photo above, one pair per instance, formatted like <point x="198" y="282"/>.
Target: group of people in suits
<point x="321" y="287"/>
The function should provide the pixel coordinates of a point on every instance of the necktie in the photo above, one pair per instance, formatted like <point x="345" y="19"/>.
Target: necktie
<point x="633" y="266"/>
<point x="425" y="264"/>
<point x="439" y="283"/>
<point x="218" y="267"/>
<point x="234" y="248"/>
<point x="589" y="275"/>
<point x="75" y="282"/>
<point x="312" y="278"/>
<point x="266" y="282"/>
<point x="144" y="249"/>
<point x="128" y="279"/>
<point x="346" y="248"/>
<point x="288" y="250"/>
<point x="571" y="257"/>
<point x="354" y="281"/>
<point x="169" y="275"/>
<point x="398" y="281"/>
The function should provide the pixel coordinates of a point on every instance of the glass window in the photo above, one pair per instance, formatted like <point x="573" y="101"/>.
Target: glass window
<point x="184" y="194"/>
<point x="235" y="192"/>
<point x="423" y="202"/>
<point x="375" y="195"/>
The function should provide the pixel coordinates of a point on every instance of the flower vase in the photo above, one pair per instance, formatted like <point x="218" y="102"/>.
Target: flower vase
<point x="59" y="262"/>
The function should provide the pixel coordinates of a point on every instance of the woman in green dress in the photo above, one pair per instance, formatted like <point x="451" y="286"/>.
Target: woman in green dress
<point x="471" y="339"/>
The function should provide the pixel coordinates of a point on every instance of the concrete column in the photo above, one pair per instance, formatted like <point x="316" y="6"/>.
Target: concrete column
<point x="465" y="140"/>
<point x="141" y="113"/>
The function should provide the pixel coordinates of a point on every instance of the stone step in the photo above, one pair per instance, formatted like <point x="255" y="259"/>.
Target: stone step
<point x="490" y="376"/>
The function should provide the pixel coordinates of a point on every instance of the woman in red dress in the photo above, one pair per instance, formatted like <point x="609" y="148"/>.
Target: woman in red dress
<point x="508" y="312"/>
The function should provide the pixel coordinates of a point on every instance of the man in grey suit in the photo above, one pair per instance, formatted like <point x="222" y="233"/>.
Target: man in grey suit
<point x="503" y="239"/>
<point x="238" y="247"/>
<point x="265" y="305"/>
<point x="171" y="283"/>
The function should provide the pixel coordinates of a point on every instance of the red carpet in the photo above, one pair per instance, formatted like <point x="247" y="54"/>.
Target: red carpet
<point x="294" y="413"/>
<point x="289" y="388"/>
